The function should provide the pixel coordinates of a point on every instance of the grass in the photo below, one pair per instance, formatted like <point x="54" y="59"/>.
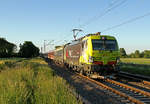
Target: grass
<point x="136" y="66"/>
<point x="2" y="61"/>
<point x="136" y="69"/>
<point x="136" y="60"/>
<point x="32" y="82"/>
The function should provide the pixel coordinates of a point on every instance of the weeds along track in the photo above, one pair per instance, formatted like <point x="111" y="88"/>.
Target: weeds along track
<point x="128" y="93"/>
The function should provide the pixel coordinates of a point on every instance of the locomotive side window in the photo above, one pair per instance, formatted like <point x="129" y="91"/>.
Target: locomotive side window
<point x="99" y="44"/>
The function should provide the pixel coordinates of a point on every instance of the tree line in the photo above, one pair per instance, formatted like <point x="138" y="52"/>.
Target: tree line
<point x="8" y="49"/>
<point x="136" y="54"/>
<point x="28" y="49"/>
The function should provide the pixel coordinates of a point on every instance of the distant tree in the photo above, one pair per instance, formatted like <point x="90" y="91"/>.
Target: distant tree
<point x="28" y="49"/>
<point x="123" y="52"/>
<point x="142" y="54"/>
<point x="137" y="54"/>
<point x="7" y="49"/>
<point x="147" y="54"/>
<point x="132" y="55"/>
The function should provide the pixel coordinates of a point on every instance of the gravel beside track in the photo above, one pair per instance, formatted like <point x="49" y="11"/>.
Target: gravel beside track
<point x="85" y="90"/>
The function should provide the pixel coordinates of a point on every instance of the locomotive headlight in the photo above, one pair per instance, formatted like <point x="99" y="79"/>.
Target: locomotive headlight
<point x="91" y="59"/>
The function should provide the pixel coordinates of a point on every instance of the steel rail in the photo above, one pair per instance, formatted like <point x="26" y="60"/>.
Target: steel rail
<point x="113" y="90"/>
<point x="146" y="82"/>
<point x="122" y="94"/>
<point x="129" y="87"/>
<point x="140" y="84"/>
<point x="136" y="77"/>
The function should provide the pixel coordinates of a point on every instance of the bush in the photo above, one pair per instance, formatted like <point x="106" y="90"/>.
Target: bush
<point x="7" y="49"/>
<point x="28" y="50"/>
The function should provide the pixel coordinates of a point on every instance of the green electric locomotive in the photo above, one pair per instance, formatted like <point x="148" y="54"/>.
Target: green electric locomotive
<point x="93" y="54"/>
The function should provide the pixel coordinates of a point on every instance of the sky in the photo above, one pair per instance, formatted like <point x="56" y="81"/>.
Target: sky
<point x="39" y="20"/>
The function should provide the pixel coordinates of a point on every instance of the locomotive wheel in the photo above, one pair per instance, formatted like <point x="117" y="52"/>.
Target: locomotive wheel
<point x="88" y="73"/>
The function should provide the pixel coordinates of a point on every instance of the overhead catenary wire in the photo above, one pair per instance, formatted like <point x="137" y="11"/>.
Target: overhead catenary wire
<point x="66" y="37"/>
<point x="62" y="39"/>
<point x="111" y="7"/>
<point x="123" y="23"/>
<point x="116" y="26"/>
<point x="126" y="22"/>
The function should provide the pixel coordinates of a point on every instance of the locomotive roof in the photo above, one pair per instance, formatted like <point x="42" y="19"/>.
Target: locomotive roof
<point x="59" y="48"/>
<point x="99" y="37"/>
<point x="92" y="36"/>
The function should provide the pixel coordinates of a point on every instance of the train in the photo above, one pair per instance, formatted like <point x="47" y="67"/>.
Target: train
<point x="92" y="54"/>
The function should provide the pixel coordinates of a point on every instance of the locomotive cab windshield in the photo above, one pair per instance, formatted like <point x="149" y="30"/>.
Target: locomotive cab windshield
<point x="100" y="44"/>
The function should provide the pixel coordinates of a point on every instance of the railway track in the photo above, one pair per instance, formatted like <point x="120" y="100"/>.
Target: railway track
<point x="132" y="80"/>
<point x="134" y="76"/>
<point x="129" y="93"/>
<point x="143" y="85"/>
<point x="124" y="92"/>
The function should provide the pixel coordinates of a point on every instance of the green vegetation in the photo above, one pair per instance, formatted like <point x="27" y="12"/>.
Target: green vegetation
<point x="136" y="69"/>
<point x="136" y="65"/>
<point x="123" y="53"/>
<point x="31" y="81"/>
<point x="7" y="49"/>
<point x="136" y="54"/>
<point x="136" y="60"/>
<point x="28" y="49"/>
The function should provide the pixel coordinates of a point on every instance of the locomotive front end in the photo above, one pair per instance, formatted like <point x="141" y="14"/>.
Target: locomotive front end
<point x="105" y="54"/>
<point x="102" y="55"/>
